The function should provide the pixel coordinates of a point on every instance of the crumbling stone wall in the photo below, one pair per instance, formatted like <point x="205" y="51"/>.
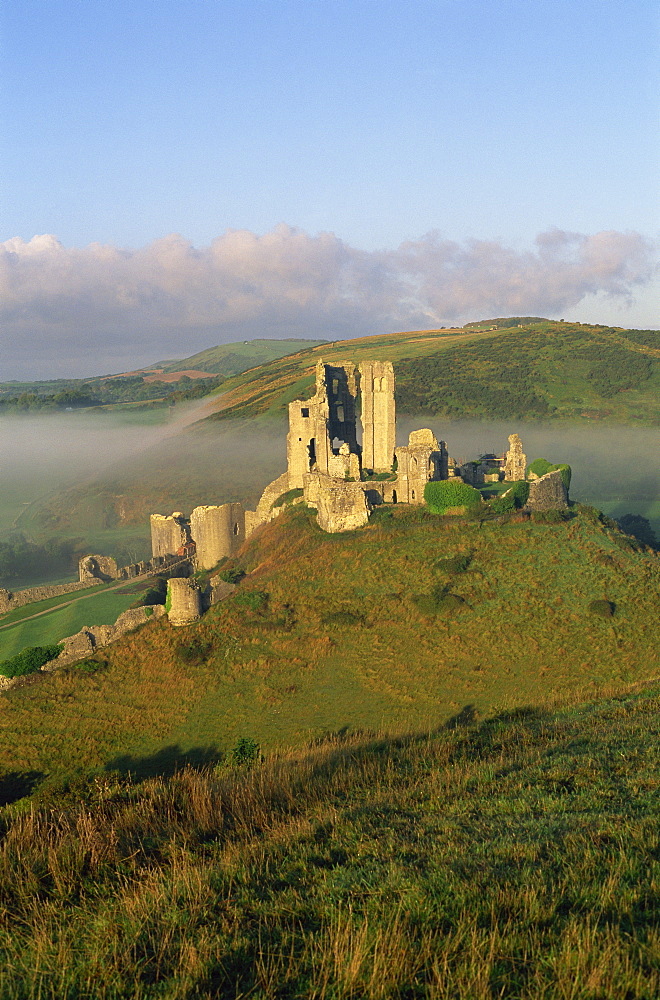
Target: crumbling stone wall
<point x="94" y="637"/>
<point x="515" y="461"/>
<point x="316" y="424"/>
<point x="217" y="531"/>
<point x="424" y="459"/>
<point x="341" y="506"/>
<point x="95" y="567"/>
<point x="184" y="602"/>
<point x="378" y="415"/>
<point x="169" y="533"/>
<point x="10" y="599"/>
<point x="548" y="493"/>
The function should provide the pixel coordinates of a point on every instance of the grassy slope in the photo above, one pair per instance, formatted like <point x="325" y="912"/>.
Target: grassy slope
<point x="309" y="663"/>
<point x="230" y="359"/>
<point x="517" y="858"/>
<point x="547" y="370"/>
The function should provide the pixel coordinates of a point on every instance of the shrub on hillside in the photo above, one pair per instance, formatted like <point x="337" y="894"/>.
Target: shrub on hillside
<point x="454" y="564"/>
<point x="232" y="575"/>
<point x="449" y="495"/>
<point x="195" y="652"/>
<point x="29" y="660"/>
<point x="602" y="609"/>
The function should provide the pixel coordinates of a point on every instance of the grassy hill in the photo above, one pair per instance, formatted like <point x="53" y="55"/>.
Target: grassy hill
<point x="515" y="857"/>
<point x="508" y="847"/>
<point x="541" y="370"/>
<point x="400" y="625"/>
<point x="231" y="359"/>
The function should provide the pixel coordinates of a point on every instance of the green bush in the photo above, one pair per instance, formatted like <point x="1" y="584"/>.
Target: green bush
<point x="29" y="660"/>
<point x="603" y="609"/>
<point x="540" y="466"/>
<point x="246" y="753"/>
<point x="232" y="575"/>
<point x="454" y="564"/>
<point x="448" y="493"/>
<point x="438" y="601"/>
<point x="502" y="505"/>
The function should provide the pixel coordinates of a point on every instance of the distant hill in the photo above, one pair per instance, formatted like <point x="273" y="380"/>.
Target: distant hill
<point x="231" y="359"/>
<point x="541" y="370"/>
<point x="143" y="385"/>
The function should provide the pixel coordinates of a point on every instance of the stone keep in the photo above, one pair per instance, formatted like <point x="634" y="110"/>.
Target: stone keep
<point x="184" y="601"/>
<point x="378" y="415"/>
<point x="515" y="461"/>
<point x="217" y="531"/>
<point x="316" y="424"/>
<point x="168" y="533"/>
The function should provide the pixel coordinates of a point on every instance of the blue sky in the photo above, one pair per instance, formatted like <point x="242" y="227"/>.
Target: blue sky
<point x="376" y="121"/>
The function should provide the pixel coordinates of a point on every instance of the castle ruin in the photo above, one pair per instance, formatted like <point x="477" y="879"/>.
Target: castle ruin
<point x="342" y="460"/>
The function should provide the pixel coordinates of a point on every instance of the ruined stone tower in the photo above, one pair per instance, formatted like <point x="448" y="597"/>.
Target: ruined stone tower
<point x="515" y="460"/>
<point x="378" y="415"/>
<point x="168" y="533"/>
<point x="318" y="426"/>
<point x="217" y="531"/>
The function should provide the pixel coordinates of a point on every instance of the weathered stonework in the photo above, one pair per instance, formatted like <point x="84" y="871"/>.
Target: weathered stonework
<point x="169" y="533"/>
<point x="378" y="415"/>
<point x="93" y="637"/>
<point x="341" y="506"/>
<point x="515" y="461"/>
<point x="184" y="600"/>
<point x="422" y="460"/>
<point x="548" y="493"/>
<point x="217" y="532"/>
<point x="17" y="599"/>
<point x="94" y="567"/>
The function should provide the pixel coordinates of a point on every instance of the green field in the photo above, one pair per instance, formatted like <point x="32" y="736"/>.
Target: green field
<point x="82" y="608"/>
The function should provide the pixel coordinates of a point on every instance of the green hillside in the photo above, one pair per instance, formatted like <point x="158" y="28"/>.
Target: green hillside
<point x="545" y="370"/>
<point x="507" y="848"/>
<point x="513" y="858"/>
<point x="231" y="359"/>
<point x="399" y="625"/>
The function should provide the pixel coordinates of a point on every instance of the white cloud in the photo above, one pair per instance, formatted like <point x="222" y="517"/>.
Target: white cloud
<point x="102" y="308"/>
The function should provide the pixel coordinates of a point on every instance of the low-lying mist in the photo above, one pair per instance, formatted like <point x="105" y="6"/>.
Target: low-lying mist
<point x="96" y="478"/>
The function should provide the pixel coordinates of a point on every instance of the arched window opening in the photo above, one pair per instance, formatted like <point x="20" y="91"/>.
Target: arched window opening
<point x="236" y="528"/>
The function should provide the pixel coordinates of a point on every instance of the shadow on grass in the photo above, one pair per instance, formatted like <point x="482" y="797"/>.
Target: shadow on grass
<point x="166" y="761"/>
<point x="17" y="785"/>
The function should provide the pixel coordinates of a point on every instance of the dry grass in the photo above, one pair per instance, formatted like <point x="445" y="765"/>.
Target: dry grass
<point x="516" y="858"/>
